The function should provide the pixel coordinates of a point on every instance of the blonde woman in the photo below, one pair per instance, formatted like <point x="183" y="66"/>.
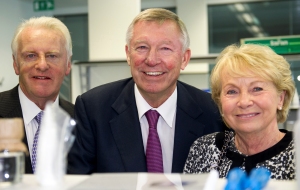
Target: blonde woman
<point x="253" y="88"/>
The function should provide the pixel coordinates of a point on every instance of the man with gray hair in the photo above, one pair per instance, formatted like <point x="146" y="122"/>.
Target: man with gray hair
<point x="42" y="51"/>
<point x="148" y="122"/>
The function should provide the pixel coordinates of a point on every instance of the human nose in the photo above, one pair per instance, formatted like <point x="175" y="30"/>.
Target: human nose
<point x="153" y="58"/>
<point x="245" y="100"/>
<point x="42" y="64"/>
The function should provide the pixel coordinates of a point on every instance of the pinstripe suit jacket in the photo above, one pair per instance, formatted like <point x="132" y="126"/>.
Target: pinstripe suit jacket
<point x="10" y="107"/>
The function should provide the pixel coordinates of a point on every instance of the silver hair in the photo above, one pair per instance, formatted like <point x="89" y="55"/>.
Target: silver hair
<point x="44" y="22"/>
<point x="160" y="15"/>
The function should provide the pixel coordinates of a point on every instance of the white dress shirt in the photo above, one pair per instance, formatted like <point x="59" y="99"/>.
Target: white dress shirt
<point x="30" y="110"/>
<point x="165" y="125"/>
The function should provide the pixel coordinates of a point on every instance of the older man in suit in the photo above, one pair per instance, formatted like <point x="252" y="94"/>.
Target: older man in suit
<point x="42" y="51"/>
<point x="146" y="123"/>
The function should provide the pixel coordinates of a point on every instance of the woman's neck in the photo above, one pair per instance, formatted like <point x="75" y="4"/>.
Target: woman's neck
<point x="253" y="144"/>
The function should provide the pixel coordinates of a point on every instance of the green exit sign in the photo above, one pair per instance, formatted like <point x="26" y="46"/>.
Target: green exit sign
<point x="43" y="5"/>
<point x="280" y="44"/>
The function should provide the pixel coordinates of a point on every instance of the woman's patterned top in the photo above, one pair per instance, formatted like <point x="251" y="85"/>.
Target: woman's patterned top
<point x="205" y="152"/>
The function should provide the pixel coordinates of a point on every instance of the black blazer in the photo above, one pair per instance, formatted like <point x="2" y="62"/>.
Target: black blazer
<point x="10" y="107"/>
<point x="108" y="134"/>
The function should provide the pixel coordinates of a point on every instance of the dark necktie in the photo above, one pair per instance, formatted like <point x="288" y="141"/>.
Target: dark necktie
<point x="38" y="119"/>
<point x="153" y="150"/>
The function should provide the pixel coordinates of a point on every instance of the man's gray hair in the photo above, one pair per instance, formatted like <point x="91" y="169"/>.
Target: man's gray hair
<point x="43" y="22"/>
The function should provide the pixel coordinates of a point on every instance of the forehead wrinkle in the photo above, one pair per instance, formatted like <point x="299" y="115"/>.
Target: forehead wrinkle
<point x="168" y="42"/>
<point x="139" y="41"/>
<point x="234" y="80"/>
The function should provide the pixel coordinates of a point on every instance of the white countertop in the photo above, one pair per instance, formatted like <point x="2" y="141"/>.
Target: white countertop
<point x="136" y="181"/>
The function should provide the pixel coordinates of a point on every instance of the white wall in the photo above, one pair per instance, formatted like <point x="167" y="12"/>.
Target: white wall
<point x="108" y="22"/>
<point x="157" y="3"/>
<point x="11" y="13"/>
<point x="107" y="36"/>
<point x="194" y="14"/>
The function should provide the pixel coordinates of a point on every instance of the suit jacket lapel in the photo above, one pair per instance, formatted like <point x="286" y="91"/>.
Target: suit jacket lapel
<point x="127" y="132"/>
<point x="11" y="104"/>
<point x="67" y="106"/>
<point x="186" y="114"/>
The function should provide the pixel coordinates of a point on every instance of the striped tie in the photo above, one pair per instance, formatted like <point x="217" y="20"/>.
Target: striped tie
<point x="153" y="150"/>
<point x="38" y="119"/>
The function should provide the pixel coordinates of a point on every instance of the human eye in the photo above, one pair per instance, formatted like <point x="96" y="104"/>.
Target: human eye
<point x="141" y="48"/>
<point x="51" y="56"/>
<point x="231" y="92"/>
<point x="166" y="49"/>
<point x="29" y="56"/>
<point x="257" y="89"/>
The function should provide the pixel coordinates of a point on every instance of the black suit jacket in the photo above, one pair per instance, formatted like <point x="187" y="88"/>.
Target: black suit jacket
<point x="10" y="107"/>
<point x="108" y="134"/>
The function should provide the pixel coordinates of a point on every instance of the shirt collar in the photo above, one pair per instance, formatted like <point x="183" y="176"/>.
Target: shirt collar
<point x="167" y="110"/>
<point x="29" y="108"/>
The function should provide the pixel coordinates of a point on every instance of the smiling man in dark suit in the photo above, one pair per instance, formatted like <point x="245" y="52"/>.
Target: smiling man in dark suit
<point x="42" y="51"/>
<point x="113" y="131"/>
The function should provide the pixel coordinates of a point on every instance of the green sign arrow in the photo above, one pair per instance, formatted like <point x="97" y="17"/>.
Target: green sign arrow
<point x="43" y="5"/>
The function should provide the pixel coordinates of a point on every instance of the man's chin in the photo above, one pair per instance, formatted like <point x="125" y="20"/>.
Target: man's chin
<point x="44" y="94"/>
